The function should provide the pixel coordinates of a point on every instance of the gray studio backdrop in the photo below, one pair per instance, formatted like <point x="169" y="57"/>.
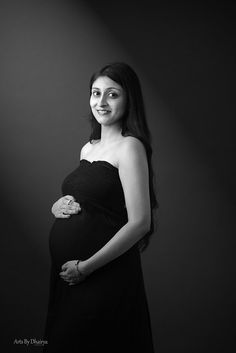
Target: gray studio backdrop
<point x="185" y="61"/>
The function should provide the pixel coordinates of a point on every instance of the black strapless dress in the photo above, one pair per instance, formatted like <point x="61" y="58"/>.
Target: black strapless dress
<point x="108" y="311"/>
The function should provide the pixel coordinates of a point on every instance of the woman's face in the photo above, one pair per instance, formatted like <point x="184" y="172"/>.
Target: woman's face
<point x="107" y="101"/>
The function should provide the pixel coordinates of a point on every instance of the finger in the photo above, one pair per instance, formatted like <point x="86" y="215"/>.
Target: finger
<point x="70" y="280"/>
<point x="73" y="283"/>
<point x="69" y="197"/>
<point x="62" y="215"/>
<point x="75" y="211"/>
<point x="71" y="211"/>
<point x="68" y="200"/>
<point x="76" y="204"/>
<point x="75" y="207"/>
<point x="66" y="280"/>
<point x="63" y="208"/>
<point x="72" y="207"/>
<point x="66" y="211"/>
<point x="62" y="273"/>
<point x="65" y="277"/>
<point x="64" y="266"/>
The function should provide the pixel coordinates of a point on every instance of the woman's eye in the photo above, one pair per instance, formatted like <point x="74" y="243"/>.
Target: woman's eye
<point x="110" y="94"/>
<point x="95" y="93"/>
<point x="113" y="95"/>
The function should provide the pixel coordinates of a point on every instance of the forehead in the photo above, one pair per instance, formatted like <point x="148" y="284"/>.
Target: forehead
<point x="104" y="82"/>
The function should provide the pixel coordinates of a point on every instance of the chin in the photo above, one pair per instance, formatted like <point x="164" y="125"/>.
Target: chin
<point x="104" y="120"/>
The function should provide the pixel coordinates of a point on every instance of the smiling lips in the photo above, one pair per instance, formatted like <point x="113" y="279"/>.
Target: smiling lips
<point x="103" y="111"/>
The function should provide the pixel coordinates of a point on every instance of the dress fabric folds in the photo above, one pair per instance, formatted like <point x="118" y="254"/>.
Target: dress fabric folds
<point x="108" y="311"/>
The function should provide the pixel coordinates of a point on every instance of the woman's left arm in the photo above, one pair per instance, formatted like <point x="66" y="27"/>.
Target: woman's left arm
<point x="134" y="176"/>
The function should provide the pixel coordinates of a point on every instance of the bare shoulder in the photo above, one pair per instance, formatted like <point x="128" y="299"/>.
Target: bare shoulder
<point x="85" y="149"/>
<point x="131" y="149"/>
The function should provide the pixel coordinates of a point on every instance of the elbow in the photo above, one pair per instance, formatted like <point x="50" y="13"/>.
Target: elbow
<point x="146" y="223"/>
<point x="146" y="226"/>
<point x="143" y="226"/>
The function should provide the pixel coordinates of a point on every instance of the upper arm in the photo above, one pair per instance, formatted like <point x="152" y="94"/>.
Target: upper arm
<point x="134" y="176"/>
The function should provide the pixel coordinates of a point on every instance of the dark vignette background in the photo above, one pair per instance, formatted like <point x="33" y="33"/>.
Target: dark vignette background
<point x="184" y="53"/>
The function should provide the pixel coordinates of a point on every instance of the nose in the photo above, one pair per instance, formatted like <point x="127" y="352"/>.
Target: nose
<point x="102" y="101"/>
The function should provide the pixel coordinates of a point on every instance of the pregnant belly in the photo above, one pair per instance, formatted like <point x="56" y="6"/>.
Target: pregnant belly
<point x="79" y="236"/>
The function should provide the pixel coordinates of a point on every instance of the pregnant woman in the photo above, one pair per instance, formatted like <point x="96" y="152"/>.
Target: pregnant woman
<point x="97" y="300"/>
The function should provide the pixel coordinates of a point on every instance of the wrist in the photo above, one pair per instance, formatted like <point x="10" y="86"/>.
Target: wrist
<point x="85" y="268"/>
<point x="80" y="274"/>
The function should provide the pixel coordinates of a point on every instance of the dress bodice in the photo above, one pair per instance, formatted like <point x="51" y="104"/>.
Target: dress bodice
<point x="98" y="184"/>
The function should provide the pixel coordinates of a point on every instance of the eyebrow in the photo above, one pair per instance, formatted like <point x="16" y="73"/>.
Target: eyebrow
<point x="107" y="88"/>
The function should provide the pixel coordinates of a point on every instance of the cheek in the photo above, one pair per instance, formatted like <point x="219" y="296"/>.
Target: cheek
<point x="92" y="102"/>
<point x="121" y="107"/>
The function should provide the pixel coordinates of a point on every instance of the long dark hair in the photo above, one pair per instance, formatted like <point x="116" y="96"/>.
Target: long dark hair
<point x="134" y="123"/>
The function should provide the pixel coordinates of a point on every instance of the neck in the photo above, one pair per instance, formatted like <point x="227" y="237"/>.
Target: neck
<point x="110" y="133"/>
